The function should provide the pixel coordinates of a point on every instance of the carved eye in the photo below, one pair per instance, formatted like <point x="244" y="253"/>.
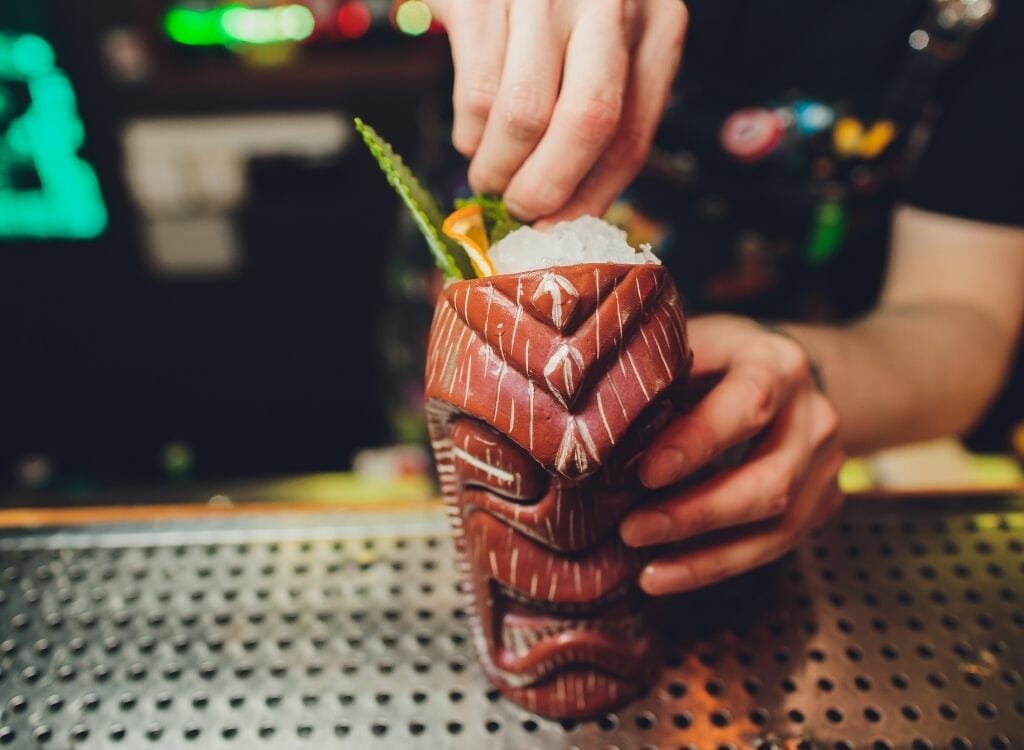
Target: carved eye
<point x="485" y="458"/>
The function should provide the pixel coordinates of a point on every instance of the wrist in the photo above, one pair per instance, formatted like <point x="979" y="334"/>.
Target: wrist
<point x="812" y="363"/>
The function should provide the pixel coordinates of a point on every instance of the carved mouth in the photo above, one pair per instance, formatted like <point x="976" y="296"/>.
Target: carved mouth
<point x="520" y="634"/>
<point x="539" y="638"/>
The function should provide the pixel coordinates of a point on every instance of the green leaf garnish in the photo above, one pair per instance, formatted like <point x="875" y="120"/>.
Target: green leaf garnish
<point x="450" y="258"/>
<point x="496" y="217"/>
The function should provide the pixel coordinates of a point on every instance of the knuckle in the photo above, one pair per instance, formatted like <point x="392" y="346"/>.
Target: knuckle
<point x="479" y="103"/>
<point x="700" y="439"/>
<point x="526" y="120"/>
<point x="477" y="98"/>
<point x="827" y="419"/>
<point x="776" y="505"/>
<point x="777" y="481"/>
<point x="793" y="361"/>
<point x="760" y="404"/>
<point x="596" y="119"/>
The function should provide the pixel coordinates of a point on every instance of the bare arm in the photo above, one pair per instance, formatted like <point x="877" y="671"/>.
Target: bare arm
<point x="933" y="354"/>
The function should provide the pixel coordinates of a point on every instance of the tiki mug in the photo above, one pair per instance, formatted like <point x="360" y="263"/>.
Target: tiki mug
<point x="542" y="389"/>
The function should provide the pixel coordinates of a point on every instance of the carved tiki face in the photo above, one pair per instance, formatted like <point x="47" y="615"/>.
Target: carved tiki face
<point x="542" y="388"/>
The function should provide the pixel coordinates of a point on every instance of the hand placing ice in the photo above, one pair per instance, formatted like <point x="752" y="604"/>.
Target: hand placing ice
<point x="583" y="240"/>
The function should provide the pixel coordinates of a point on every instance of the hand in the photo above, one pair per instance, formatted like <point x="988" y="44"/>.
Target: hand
<point x="556" y="101"/>
<point x="763" y="507"/>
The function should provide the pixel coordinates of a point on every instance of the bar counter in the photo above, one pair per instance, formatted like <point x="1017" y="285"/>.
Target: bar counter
<point x="305" y="624"/>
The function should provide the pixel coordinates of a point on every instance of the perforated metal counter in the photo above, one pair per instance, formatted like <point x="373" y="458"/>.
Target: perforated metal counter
<point x="899" y="626"/>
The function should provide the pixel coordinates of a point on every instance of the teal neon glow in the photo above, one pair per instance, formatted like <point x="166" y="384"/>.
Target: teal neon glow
<point x="233" y="24"/>
<point x="43" y="138"/>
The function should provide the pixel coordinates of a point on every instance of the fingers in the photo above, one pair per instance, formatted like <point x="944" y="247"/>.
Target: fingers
<point x="762" y="372"/>
<point x="477" y="66"/>
<point x="760" y="489"/>
<point x="585" y="117"/>
<point x="791" y="478"/>
<point x="738" y="408"/>
<point x="525" y="146"/>
<point x="715" y="339"/>
<point x="653" y="67"/>
<point x="530" y="80"/>
<point x="703" y="566"/>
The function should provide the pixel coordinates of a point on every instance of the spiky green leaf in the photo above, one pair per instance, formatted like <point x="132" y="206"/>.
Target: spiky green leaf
<point x="450" y="258"/>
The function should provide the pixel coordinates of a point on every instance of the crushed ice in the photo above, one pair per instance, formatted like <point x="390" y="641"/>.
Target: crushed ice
<point x="583" y="240"/>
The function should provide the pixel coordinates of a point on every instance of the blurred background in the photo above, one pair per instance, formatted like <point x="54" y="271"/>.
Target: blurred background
<point x="202" y="275"/>
<point x="192" y="253"/>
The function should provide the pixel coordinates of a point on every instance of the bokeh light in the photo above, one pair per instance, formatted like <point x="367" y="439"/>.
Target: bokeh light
<point x="239" y="24"/>
<point x="354" y="19"/>
<point x="413" y="17"/>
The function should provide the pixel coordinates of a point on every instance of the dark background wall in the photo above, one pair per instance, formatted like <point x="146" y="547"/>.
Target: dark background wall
<point x="273" y="368"/>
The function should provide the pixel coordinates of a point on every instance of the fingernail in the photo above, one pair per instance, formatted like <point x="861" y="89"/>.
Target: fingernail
<point x="666" y="579"/>
<point x="664" y="467"/>
<point x="645" y="527"/>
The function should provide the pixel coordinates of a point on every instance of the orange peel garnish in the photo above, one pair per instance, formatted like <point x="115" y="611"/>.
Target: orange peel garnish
<point x="466" y="226"/>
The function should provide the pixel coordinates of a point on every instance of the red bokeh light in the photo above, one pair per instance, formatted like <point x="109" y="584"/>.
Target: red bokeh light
<point x="354" y="19"/>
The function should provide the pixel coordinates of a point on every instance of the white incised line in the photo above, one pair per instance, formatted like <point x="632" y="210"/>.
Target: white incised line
<point x="505" y="477"/>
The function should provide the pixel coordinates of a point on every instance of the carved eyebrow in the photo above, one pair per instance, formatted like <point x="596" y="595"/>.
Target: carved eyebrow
<point x="506" y="477"/>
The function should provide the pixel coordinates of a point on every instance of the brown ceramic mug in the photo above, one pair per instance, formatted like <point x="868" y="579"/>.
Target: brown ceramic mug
<point x="542" y="388"/>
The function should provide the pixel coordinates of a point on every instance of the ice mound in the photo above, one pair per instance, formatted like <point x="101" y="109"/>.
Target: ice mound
<point x="583" y="240"/>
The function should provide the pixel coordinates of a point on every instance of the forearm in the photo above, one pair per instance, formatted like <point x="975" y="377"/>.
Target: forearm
<point x="909" y="372"/>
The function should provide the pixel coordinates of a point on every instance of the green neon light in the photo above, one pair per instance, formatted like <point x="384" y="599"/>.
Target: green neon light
<point x="238" y="24"/>
<point x="827" y="234"/>
<point x="194" y="28"/>
<point x="43" y="139"/>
